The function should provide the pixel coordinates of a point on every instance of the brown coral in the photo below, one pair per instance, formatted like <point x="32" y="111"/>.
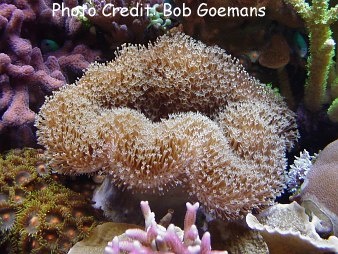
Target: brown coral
<point x="231" y="164"/>
<point x="277" y="53"/>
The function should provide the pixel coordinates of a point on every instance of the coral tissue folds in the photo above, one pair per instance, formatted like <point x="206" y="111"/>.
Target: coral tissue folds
<point x="173" y="113"/>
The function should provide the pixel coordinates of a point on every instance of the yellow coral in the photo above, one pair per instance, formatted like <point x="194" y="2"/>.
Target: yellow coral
<point x="173" y="113"/>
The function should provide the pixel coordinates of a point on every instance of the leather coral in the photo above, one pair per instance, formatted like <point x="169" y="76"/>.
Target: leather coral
<point x="174" y="113"/>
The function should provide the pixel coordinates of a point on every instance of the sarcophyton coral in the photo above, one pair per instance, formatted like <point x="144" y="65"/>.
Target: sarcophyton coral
<point x="173" y="113"/>
<point x="38" y="215"/>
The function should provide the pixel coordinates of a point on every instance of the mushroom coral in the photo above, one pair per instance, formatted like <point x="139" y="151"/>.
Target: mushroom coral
<point x="174" y="113"/>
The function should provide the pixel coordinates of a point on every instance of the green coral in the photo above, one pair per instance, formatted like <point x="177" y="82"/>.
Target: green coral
<point x="274" y="89"/>
<point x="333" y="111"/>
<point x="37" y="214"/>
<point x="157" y="18"/>
<point x="80" y="10"/>
<point x="317" y="17"/>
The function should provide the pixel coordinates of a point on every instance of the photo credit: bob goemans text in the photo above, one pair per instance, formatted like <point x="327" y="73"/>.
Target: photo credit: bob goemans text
<point x="109" y="10"/>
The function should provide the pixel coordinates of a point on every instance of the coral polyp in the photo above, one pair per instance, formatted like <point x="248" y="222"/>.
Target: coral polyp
<point x="7" y="217"/>
<point x="29" y="220"/>
<point x="54" y="217"/>
<point x="38" y="214"/>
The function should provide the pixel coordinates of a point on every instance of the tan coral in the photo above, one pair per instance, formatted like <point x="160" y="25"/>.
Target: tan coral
<point x="146" y="156"/>
<point x="130" y="118"/>
<point x="286" y="229"/>
<point x="320" y="186"/>
<point x="245" y="126"/>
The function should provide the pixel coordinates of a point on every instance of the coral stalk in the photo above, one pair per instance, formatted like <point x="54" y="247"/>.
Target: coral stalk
<point x="318" y="17"/>
<point x="333" y="111"/>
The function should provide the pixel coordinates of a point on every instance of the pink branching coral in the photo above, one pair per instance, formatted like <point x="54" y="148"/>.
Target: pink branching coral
<point x="158" y="239"/>
<point x="175" y="113"/>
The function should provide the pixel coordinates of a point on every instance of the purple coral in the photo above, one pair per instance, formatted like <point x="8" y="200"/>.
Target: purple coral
<point x="27" y="75"/>
<point x="158" y="239"/>
<point x="299" y="169"/>
<point x="22" y="68"/>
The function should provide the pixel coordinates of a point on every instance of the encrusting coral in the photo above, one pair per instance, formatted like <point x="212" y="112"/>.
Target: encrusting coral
<point x="236" y="237"/>
<point x="37" y="214"/>
<point x="173" y="113"/>
<point x="286" y="228"/>
<point x="99" y="237"/>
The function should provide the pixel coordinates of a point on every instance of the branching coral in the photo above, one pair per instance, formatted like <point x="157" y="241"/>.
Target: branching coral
<point x="157" y="239"/>
<point x="318" y="17"/>
<point x="228" y="153"/>
<point x="21" y="68"/>
<point x="333" y="82"/>
<point x="26" y="74"/>
<point x="41" y="11"/>
<point x="333" y="111"/>
<point x="299" y="169"/>
<point x="38" y="215"/>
